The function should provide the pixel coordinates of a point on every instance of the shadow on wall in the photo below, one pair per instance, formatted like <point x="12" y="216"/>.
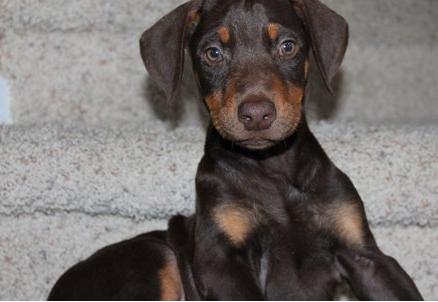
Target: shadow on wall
<point x="321" y="105"/>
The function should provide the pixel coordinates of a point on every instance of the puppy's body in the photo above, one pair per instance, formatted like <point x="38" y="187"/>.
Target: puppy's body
<point x="129" y="270"/>
<point x="275" y="219"/>
<point x="295" y="232"/>
<point x="151" y="266"/>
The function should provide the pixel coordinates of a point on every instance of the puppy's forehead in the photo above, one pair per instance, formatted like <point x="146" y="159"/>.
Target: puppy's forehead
<point x="249" y="14"/>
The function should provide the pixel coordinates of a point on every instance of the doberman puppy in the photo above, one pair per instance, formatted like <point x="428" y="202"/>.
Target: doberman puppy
<point x="275" y="218"/>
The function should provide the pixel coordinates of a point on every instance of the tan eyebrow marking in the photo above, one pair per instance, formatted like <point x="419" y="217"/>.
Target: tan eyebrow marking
<point x="224" y="34"/>
<point x="273" y="31"/>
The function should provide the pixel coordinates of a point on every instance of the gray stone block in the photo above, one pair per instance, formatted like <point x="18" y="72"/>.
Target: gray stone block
<point x="82" y="15"/>
<point x="373" y="21"/>
<point x="145" y="171"/>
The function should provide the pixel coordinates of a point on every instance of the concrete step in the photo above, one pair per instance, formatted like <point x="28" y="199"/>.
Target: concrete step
<point x="67" y="190"/>
<point x="374" y="21"/>
<point x="146" y="171"/>
<point x="99" y="78"/>
<point x="36" y="249"/>
<point x="82" y="15"/>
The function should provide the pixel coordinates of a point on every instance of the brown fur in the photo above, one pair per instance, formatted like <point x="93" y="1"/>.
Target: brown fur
<point x="214" y="104"/>
<point x="273" y="31"/>
<point x="170" y="281"/>
<point x="297" y="95"/>
<point x="346" y="220"/>
<point x="223" y="108"/>
<point x="306" y="69"/>
<point x="288" y="99"/>
<point x="236" y="222"/>
<point x="224" y="34"/>
<point x="194" y="17"/>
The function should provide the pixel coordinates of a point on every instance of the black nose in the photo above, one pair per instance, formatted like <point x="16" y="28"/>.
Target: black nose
<point x="257" y="115"/>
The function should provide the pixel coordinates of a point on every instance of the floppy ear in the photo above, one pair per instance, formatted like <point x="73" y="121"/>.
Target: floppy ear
<point x="328" y="32"/>
<point x="163" y="47"/>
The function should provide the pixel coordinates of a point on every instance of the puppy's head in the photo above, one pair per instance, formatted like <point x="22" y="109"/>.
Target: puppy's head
<point x="250" y="59"/>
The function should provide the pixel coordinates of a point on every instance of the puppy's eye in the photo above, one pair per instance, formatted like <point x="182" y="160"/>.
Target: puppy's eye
<point x="288" y="49"/>
<point x="214" y="55"/>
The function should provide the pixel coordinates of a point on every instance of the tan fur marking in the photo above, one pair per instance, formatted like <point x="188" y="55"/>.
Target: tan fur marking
<point x="273" y="31"/>
<point x="170" y="282"/>
<point x="288" y="100"/>
<point x="224" y="34"/>
<point x="236" y="222"/>
<point x="306" y="69"/>
<point x="299" y="9"/>
<point x="347" y="220"/>
<point x="297" y="94"/>
<point x="214" y="104"/>
<point x="194" y="17"/>
<point x="222" y="108"/>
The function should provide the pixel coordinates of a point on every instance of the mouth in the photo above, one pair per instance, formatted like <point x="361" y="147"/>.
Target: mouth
<point x="257" y="143"/>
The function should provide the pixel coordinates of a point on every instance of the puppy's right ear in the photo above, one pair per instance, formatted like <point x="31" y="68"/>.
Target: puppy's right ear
<point x="163" y="47"/>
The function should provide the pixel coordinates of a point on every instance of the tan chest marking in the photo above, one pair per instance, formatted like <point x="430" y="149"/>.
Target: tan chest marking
<point x="170" y="282"/>
<point x="236" y="222"/>
<point x="346" y="220"/>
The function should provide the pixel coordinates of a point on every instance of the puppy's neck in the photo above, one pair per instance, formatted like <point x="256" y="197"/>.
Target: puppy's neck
<point x="288" y="147"/>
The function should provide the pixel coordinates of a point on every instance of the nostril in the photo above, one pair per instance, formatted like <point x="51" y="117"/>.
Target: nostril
<point x="257" y="115"/>
<point x="247" y="118"/>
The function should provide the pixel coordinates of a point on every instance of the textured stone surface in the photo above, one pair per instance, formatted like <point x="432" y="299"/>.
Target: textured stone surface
<point x="147" y="172"/>
<point x="84" y="77"/>
<point x="82" y="15"/>
<point x="373" y="21"/>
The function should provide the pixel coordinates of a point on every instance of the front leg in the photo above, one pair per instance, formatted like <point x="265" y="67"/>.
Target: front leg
<point x="225" y="259"/>
<point x="371" y="274"/>
<point x="223" y="264"/>
<point x="375" y="276"/>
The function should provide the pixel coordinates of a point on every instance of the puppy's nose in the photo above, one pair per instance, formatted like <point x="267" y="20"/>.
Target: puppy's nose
<point x="257" y="115"/>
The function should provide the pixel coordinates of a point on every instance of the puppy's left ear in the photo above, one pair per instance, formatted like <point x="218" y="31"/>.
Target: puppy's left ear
<point x="329" y="34"/>
<point x="163" y="47"/>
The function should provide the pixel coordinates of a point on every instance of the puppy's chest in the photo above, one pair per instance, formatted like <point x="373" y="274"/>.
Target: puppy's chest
<point x="273" y="211"/>
<point x="280" y="205"/>
<point x="284" y="230"/>
<point x="297" y="252"/>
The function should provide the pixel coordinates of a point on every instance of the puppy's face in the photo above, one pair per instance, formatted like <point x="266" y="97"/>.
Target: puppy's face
<point x="251" y="61"/>
<point x="250" y="58"/>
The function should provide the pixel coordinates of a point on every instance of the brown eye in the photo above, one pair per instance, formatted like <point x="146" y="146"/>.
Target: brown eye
<point x="288" y="49"/>
<point x="214" y="55"/>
